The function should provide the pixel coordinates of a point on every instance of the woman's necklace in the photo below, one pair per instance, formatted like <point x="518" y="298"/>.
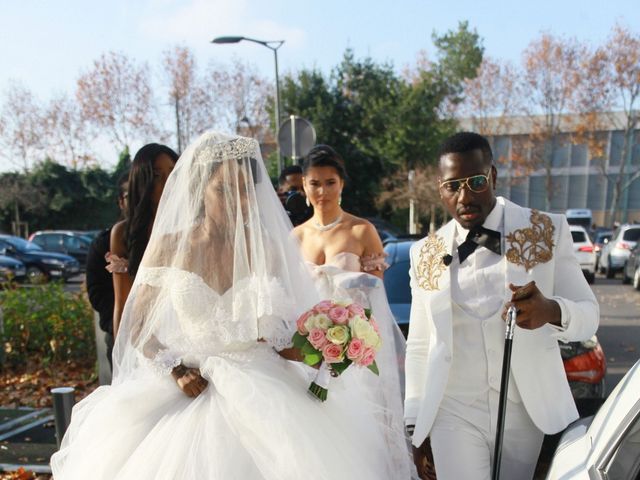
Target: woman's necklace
<point x="323" y="228"/>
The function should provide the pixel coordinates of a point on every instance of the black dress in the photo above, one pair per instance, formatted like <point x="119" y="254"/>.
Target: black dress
<point x="100" y="285"/>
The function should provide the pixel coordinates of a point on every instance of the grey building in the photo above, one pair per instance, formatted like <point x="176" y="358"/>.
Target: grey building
<point x="577" y="171"/>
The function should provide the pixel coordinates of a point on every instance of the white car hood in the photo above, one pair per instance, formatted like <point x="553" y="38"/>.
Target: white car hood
<point x="580" y="447"/>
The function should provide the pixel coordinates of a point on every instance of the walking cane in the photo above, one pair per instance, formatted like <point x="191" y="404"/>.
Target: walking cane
<point x="504" y="386"/>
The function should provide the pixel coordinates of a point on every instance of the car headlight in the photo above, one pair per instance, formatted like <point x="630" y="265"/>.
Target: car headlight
<point x="53" y="261"/>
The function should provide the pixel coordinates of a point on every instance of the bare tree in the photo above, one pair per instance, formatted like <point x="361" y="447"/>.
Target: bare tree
<point x="396" y="194"/>
<point x="238" y="94"/>
<point x="623" y="48"/>
<point x="188" y="95"/>
<point x="20" y="126"/>
<point x="551" y="75"/>
<point x="493" y="97"/>
<point x="115" y="96"/>
<point x="67" y="139"/>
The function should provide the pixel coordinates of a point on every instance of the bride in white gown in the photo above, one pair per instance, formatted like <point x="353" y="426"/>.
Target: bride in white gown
<point x="347" y="260"/>
<point x="199" y="390"/>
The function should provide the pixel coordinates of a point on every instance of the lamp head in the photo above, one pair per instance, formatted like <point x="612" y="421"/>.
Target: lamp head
<point x="227" y="39"/>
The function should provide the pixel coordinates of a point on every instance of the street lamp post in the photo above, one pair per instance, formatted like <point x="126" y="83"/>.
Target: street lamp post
<point x="273" y="45"/>
<point x="411" y="176"/>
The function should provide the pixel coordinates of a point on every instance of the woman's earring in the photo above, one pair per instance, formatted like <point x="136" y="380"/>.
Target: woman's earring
<point x="340" y="200"/>
<point x="308" y="202"/>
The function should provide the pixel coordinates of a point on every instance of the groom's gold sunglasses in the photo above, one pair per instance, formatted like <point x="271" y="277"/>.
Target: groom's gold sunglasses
<point x="475" y="183"/>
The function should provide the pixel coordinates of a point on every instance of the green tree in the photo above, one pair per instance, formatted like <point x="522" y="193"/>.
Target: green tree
<point x="459" y="55"/>
<point x="379" y="121"/>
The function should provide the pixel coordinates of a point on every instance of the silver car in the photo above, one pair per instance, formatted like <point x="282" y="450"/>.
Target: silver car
<point x="606" y="446"/>
<point x="616" y="252"/>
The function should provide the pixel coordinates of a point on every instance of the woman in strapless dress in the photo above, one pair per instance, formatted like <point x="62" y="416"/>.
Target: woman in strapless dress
<point x="347" y="259"/>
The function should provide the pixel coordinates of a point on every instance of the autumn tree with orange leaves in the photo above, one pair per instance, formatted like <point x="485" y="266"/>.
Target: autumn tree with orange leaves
<point x="623" y="48"/>
<point x="188" y="95"/>
<point x="493" y="97"/>
<point x="240" y="95"/>
<point x="551" y="77"/>
<point x="116" y="98"/>
<point x="21" y="136"/>
<point x="65" y="129"/>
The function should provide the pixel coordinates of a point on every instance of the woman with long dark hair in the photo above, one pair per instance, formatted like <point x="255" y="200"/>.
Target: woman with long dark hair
<point x="346" y="256"/>
<point x="149" y="172"/>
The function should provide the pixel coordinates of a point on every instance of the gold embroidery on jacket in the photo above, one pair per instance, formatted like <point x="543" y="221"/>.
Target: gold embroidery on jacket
<point x="532" y="245"/>
<point x="430" y="264"/>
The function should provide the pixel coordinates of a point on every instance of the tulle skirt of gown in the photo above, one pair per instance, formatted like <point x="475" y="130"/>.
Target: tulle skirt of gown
<point x="255" y="420"/>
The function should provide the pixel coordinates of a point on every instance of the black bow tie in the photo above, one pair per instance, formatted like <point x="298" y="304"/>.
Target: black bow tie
<point x="479" y="236"/>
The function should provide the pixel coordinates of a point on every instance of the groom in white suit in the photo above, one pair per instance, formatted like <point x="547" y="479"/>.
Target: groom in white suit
<point x="493" y="254"/>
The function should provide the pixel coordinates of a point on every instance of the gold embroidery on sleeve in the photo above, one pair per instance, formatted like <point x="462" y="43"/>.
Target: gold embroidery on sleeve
<point x="430" y="264"/>
<point x="532" y="245"/>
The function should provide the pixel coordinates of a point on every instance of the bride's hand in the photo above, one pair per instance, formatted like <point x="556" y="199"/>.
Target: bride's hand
<point x="189" y="380"/>
<point x="293" y="354"/>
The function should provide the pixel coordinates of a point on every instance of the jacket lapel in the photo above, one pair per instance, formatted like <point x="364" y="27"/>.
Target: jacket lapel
<point x="440" y="300"/>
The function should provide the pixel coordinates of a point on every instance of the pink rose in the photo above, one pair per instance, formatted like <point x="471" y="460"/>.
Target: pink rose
<point x="332" y="353"/>
<point x="317" y="338"/>
<point x="374" y="324"/>
<point x="356" y="349"/>
<point x="300" y="322"/>
<point x="355" y="309"/>
<point x="368" y="357"/>
<point x="339" y="315"/>
<point x="324" y="306"/>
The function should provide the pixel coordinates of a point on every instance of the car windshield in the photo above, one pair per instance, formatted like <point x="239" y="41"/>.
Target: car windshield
<point x="396" y="283"/>
<point x="633" y="234"/>
<point x="578" y="236"/>
<point x="601" y="237"/>
<point x="21" y="244"/>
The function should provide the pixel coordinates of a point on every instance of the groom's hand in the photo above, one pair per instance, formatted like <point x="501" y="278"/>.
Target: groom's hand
<point x="532" y="307"/>
<point x="189" y="380"/>
<point x="423" y="459"/>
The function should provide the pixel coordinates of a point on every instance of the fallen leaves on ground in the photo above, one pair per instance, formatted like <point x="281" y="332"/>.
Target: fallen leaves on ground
<point x="30" y="385"/>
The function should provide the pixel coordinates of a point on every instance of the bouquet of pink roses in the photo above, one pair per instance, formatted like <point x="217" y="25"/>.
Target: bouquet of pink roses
<point x="337" y="334"/>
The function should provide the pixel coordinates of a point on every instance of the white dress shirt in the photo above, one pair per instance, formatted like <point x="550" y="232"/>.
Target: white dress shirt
<point x="478" y="284"/>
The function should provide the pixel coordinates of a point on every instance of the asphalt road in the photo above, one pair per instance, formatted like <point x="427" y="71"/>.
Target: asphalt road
<point x="619" y="331"/>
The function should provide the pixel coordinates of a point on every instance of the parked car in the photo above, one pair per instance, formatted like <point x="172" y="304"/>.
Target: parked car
<point x="396" y="281"/>
<point x="616" y="251"/>
<point x="90" y="234"/>
<point x="584" y="251"/>
<point x="74" y="244"/>
<point x="387" y="231"/>
<point x="11" y="269"/>
<point x="631" y="271"/>
<point x="584" y="362"/>
<point x="607" y="445"/>
<point x="41" y="266"/>
<point x="600" y="239"/>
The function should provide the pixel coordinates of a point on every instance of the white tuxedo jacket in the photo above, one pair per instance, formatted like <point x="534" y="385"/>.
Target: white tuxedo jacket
<point x="536" y="364"/>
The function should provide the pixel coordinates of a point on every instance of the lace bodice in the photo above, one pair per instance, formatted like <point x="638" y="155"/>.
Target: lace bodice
<point x="200" y="321"/>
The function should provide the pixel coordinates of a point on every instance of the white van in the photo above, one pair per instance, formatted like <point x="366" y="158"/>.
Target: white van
<point x="580" y="216"/>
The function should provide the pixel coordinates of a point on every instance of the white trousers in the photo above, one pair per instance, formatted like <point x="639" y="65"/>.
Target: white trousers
<point x="463" y="440"/>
